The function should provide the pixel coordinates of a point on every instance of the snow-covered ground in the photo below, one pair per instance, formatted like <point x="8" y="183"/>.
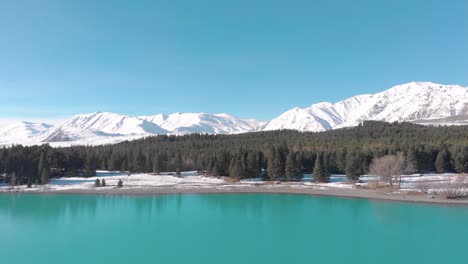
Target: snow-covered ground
<point x="192" y="179"/>
<point x="132" y="181"/>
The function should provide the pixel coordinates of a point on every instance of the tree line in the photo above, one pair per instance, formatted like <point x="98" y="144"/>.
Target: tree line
<point x="273" y="155"/>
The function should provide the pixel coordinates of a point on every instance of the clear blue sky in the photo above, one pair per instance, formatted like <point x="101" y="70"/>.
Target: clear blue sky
<point x="251" y="58"/>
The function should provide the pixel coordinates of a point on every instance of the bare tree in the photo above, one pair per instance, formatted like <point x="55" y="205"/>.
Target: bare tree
<point x="424" y="186"/>
<point x="456" y="186"/>
<point x="389" y="168"/>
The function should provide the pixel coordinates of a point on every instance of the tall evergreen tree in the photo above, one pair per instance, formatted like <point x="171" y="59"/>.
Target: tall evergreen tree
<point x="253" y="164"/>
<point x="156" y="164"/>
<point x="442" y="162"/>
<point x="90" y="166"/>
<point x="354" y="166"/>
<point x="13" y="179"/>
<point x="412" y="163"/>
<point x="41" y="164"/>
<point x="293" y="167"/>
<point x="139" y="162"/>
<point x="45" y="176"/>
<point x="461" y="160"/>
<point x="236" y="170"/>
<point x="275" y="164"/>
<point x="320" y="171"/>
<point x="114" y="162"/>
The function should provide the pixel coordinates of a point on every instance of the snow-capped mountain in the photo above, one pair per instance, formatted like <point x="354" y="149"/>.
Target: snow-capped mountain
<point x="100" y="125"/>
<point x="106" y="128"/>
<point x="418" y="102"/>
<point x="111" y="123"/>
<point x="406" y="102"/>
<point x="20" y="131"/>
<point x="185" y="123"/>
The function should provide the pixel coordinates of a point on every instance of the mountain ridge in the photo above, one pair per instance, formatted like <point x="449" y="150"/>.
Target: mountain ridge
<point x="420" y="102"/>
<point x="405" y="102"/>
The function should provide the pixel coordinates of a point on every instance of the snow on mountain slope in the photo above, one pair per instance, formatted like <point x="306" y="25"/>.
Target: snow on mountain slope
<point x="413" y="101"/>
<point x="156" y="119"/>
<point x="419" y="102"/>
<point x="98" y="127"/>
<point x="106" y="128"/>
<point x="185" y="123"/>
<point x="111" y="123"/>
<point x="298" y="119"/>
<point x="406" y="102"/>
<point x="20" y="131"/>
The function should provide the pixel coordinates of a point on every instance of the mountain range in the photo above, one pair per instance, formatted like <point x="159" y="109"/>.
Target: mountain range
<point x="407" y="102"/>
<point x="419" y="102"/>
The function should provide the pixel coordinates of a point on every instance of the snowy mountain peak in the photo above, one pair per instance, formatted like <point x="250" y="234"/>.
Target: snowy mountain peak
<point x="112" y="123"/>
<point x="20" y="131"/>
<point x="106" y="128"/>
<point x="419" y="102"/>
<point x="183" y="123"/>
<point x="405" y="102"/>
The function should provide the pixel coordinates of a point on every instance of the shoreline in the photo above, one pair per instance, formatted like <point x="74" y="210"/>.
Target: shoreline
<point x="368" y="194"/>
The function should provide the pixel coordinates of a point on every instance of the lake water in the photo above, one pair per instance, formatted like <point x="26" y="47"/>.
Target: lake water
<point x="247" y="228"/>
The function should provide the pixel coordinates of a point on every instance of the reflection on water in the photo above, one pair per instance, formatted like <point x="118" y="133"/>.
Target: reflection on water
<point x="50" y="207"/>
<point x="218" y="228"/>
<point x="46" y="207"/>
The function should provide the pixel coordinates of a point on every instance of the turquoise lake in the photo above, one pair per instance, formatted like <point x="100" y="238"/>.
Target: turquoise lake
<point x="228" y="228"/>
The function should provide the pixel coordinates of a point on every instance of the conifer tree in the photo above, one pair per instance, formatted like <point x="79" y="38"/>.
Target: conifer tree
<point x="178" y="160"/>
<point x="139" y="162"/>
<point x="114" y="162"/>
<point x="41" y="165"/>
<point x="272" y="170"/>
<point x="293" y="167"/>
<point x="13" y="179"/>
<point x="90" y="165"/>
<point x="461" y="160"/>
<point x="320" y="172"/>
<point x="354" y="166"/>
<point x="253" y="164"/>
<point x="217" y="168"/>
<point x="412" y="163"/>
<point x="156" y="165"/>
<point x="442" y="162"/>
<point x="149" y="162"/>
<point x="210" y="166"/>
<point x="275" y="165"/>
<point x="235" y="169"/>
<point x="45" y="176"/>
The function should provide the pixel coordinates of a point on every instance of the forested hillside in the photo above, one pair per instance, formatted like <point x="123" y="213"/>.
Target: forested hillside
<point x="274" y="155"/>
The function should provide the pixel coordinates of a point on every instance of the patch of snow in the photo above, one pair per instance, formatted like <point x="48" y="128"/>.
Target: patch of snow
<point x="191" y="179"/>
